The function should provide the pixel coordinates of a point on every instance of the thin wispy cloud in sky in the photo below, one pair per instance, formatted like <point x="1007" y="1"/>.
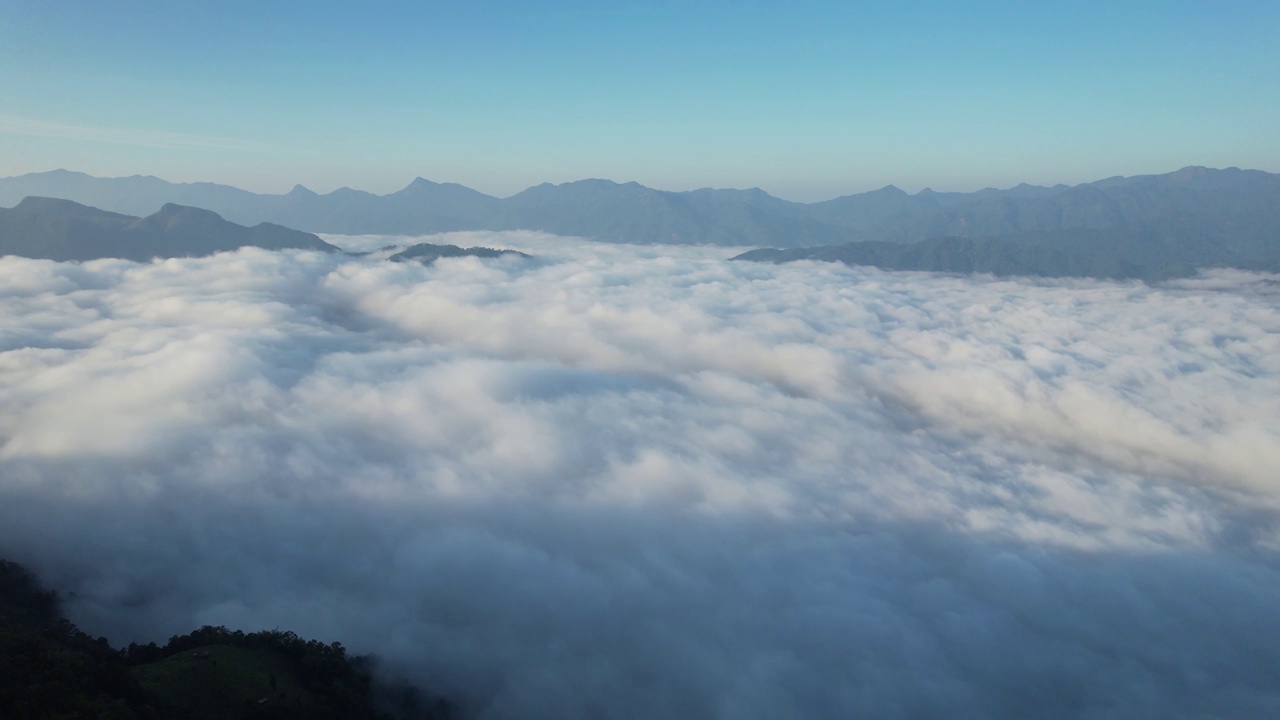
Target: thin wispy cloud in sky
<point x="160" y="139"/>
<point x="620" y="481"/>
<point x="808" y="101"/>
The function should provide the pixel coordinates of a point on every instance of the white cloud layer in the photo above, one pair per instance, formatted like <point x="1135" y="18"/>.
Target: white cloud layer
<point x="644" y="482"/>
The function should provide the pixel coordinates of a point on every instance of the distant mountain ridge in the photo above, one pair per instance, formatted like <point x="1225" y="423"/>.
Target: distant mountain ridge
<point x="57" y="229"/>
<point x="1216" y="205"/>
<point x="1132" y="253"/>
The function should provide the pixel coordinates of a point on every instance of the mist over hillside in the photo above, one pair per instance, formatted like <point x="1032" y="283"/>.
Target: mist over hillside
<point x="1194" y="204"/>
<point x="639" y="481"/>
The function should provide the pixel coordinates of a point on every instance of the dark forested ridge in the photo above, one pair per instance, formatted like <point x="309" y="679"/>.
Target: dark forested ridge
<point x="1217" y="204"/>
<point x="55" y="229"/>
<point x="50" y="669"/>
<point x="1138" y="253"/>
<point x="428" y="253"/>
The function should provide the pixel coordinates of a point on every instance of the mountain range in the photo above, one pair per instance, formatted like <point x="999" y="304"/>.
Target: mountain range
<point x="55" y="229"/>
<point x="1213" y="206"/>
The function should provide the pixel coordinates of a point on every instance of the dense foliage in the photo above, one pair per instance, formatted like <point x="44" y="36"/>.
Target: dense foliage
<point x="51" y="670"/>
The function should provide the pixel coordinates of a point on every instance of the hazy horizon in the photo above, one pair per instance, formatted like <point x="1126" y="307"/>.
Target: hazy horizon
<point x="808" y="103"/>
<point x="326" y="190"/>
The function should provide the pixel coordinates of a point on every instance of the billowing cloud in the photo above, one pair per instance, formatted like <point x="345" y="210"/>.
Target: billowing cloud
<point x="622" y="481"/>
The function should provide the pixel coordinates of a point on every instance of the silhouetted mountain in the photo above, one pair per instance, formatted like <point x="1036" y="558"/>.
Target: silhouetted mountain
<point x="1144" y="253"/>
<point x="53" y="669"/>
<point x="136" y="195"/>
<point x="630" y="212"/>
<point x="54" y="229"/>
<point x="427" y="253"/>
<point x="1231" y="205"/>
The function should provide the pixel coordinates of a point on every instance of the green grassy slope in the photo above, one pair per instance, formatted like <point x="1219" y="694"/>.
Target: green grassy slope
<point x="220" y="682"/>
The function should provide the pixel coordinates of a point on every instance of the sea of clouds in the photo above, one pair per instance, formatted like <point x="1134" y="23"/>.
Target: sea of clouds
<point x="626" y="482"/>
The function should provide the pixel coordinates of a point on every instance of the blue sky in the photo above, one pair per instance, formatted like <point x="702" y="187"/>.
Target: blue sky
<point x="807" y="102"/>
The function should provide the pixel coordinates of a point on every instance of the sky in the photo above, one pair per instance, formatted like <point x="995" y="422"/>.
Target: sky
<point x="632" y="482"/>
<point x="808" y="101"/>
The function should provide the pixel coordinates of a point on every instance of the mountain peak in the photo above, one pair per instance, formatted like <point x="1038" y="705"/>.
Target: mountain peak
<point x="421" y="183"/>
<point x="176" y="209"/>
<point x="60" y="174"/>
<point x="593" y="182"/>
<point x="1191" y="172"/>
<point x="62" y="230"/>
<point x="173" y="214"/>
<point x="45" y="204"/>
